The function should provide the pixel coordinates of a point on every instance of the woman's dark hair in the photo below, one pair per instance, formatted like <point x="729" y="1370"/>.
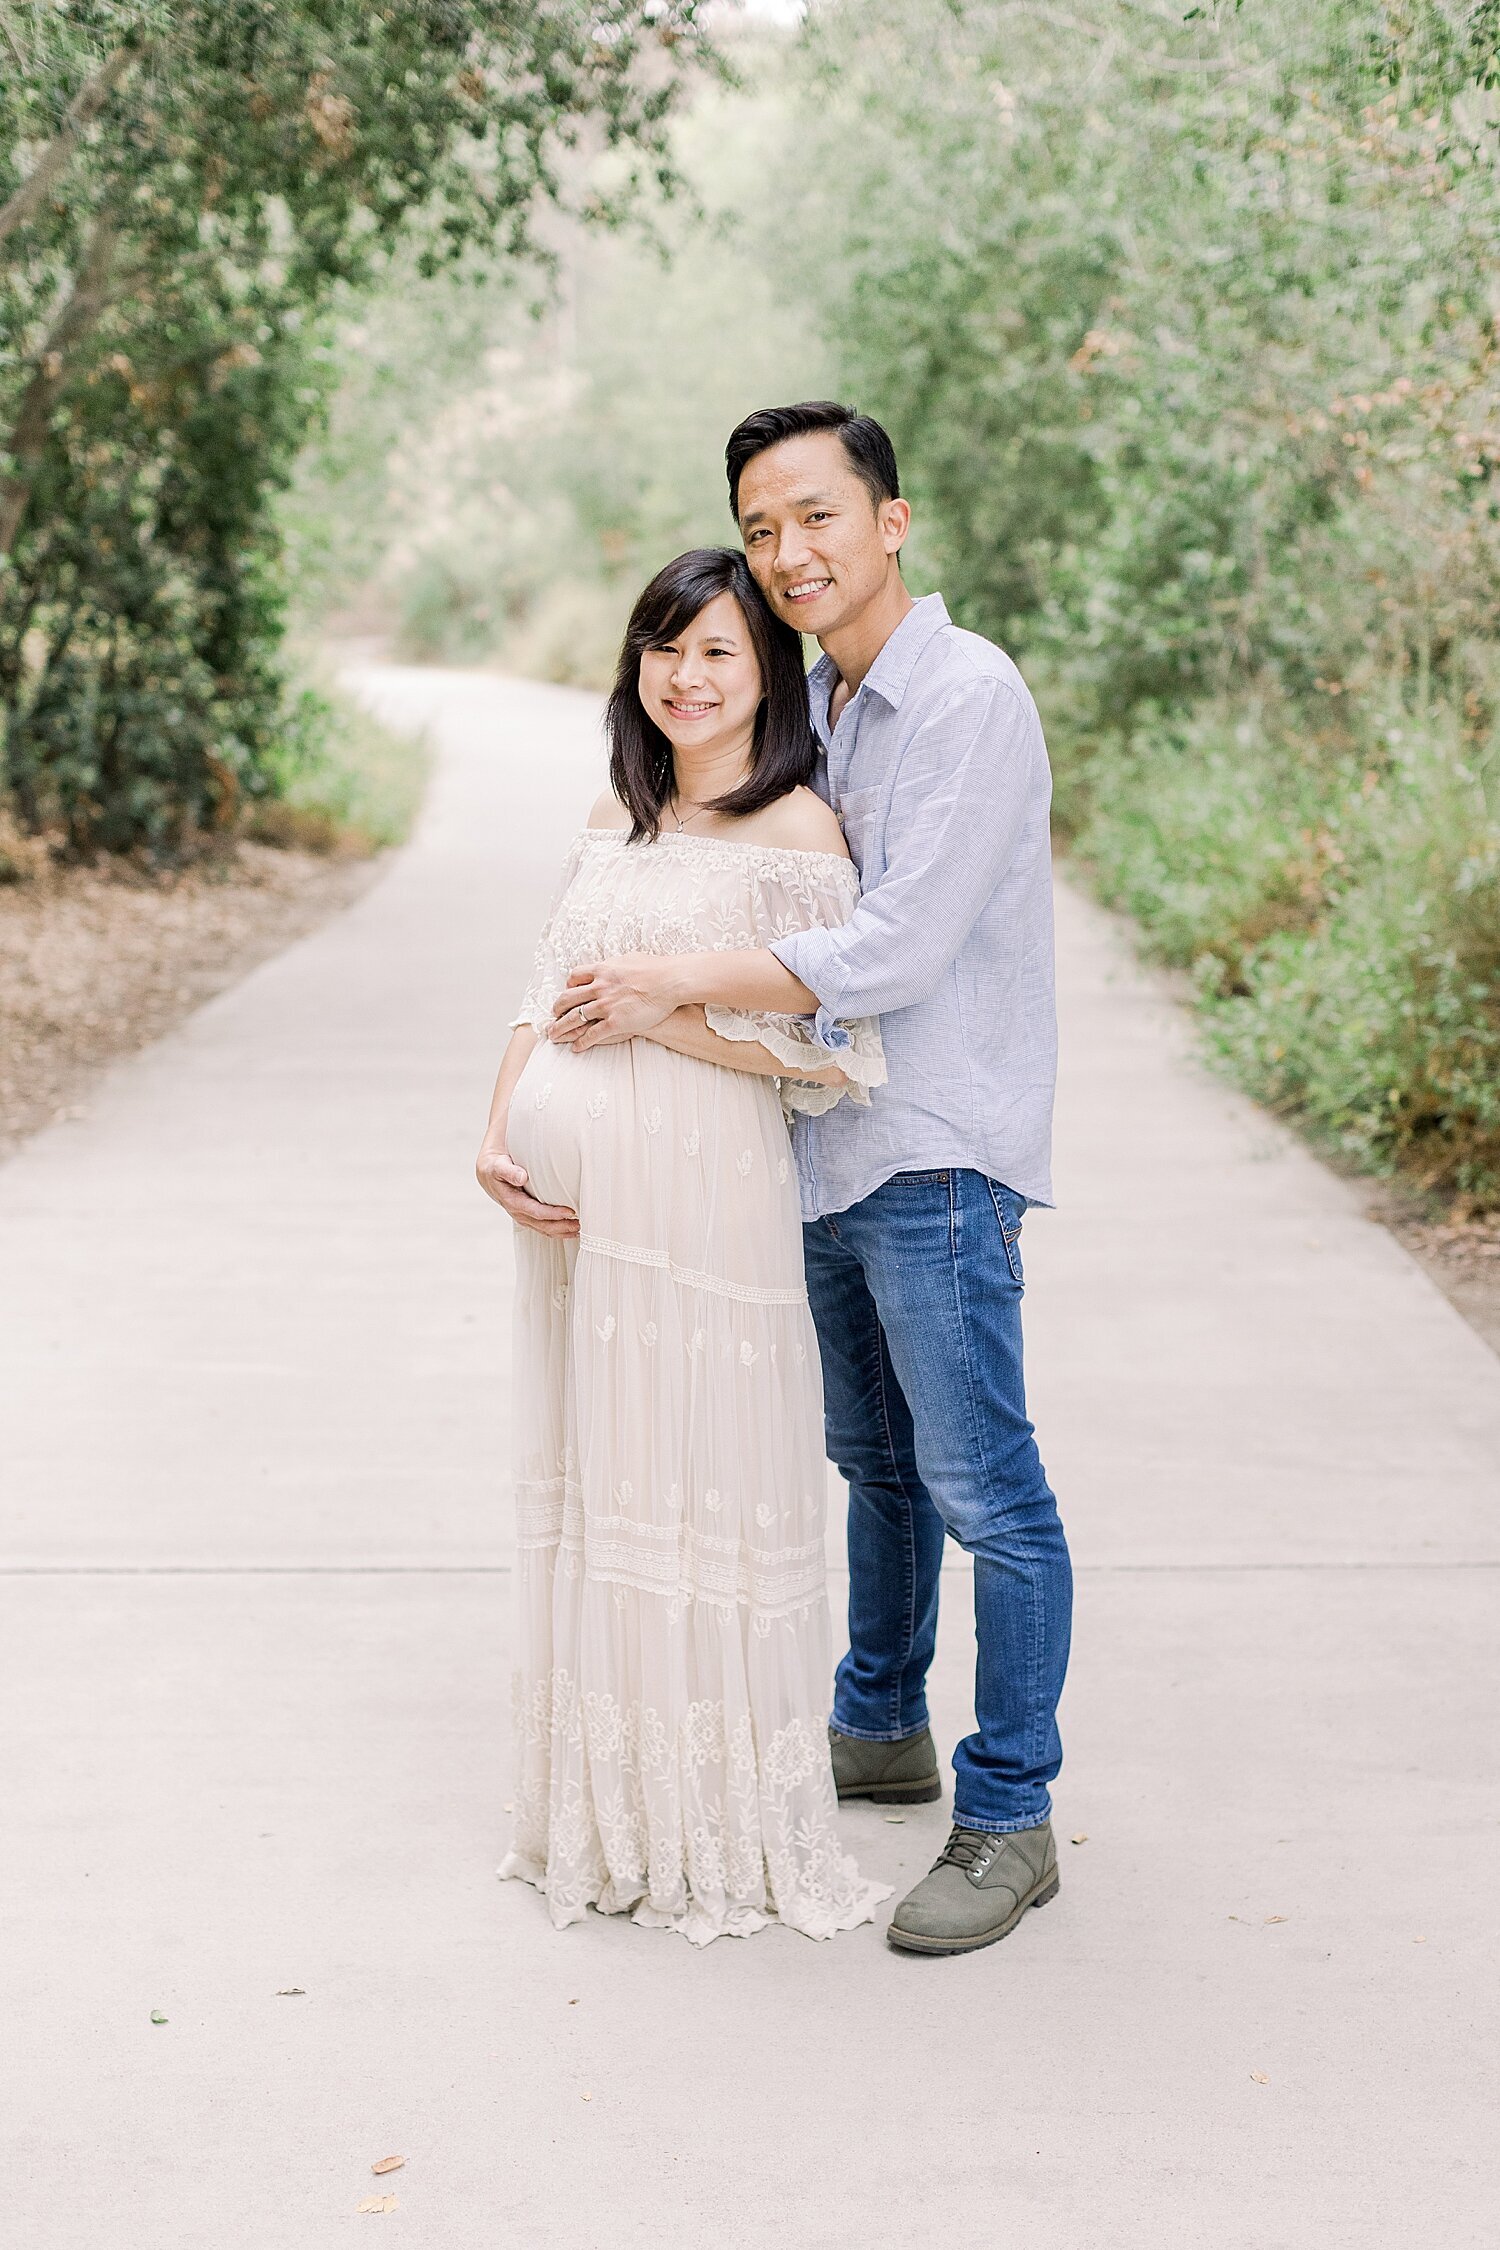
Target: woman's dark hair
<point x="867" y="445"/>
<point x="641" y="772"/>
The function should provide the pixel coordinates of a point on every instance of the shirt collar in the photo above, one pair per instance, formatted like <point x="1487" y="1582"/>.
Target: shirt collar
<point x="892" y="669"/>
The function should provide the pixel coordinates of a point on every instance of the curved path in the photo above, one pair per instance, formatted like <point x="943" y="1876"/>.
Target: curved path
<point x="254" y="1663"/>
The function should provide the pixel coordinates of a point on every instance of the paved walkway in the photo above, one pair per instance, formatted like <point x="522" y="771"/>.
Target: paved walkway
<point x="254" y="1661"/>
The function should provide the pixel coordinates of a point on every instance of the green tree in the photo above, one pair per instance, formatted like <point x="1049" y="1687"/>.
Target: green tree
<point x="1185" y="325"/>
<point x="183" y="187"/>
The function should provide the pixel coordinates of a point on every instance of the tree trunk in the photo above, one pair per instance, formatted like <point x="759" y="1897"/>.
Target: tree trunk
<point x="28" y="439"/>
<point x="55" y="158"/>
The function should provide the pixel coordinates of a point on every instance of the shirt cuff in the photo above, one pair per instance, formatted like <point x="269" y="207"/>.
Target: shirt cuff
<point x="812" y="957"/>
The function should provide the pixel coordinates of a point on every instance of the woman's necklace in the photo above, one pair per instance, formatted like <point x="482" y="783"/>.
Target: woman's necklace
<point x="681" y="823"/>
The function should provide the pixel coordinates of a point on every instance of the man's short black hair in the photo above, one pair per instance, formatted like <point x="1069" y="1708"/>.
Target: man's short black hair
<point x="870" y="452"/>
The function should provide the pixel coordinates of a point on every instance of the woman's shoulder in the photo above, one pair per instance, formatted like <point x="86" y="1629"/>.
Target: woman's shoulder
<point x="608" y="812"/>
<point x="797" y="822"/>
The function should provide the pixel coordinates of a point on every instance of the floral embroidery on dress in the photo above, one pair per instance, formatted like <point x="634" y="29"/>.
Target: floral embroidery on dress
<point x="757" y="1832"/>
<point x="702" y="894"/>
<point x="674" y="1662"/>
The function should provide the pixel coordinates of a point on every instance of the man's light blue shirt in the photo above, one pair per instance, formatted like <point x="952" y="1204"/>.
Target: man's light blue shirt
<point x="938" y="771"/>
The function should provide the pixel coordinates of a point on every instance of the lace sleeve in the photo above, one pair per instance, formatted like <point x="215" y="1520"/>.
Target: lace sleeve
<point x="547" y="974"/>
<point x="803" y="891"/>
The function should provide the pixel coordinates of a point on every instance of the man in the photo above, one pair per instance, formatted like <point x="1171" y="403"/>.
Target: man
<point x="933" y="759"/>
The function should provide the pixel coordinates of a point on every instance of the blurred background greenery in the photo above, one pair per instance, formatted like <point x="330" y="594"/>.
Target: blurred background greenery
<point x="1184" y="321"/>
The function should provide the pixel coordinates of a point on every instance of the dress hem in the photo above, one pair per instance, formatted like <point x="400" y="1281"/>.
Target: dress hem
<point x="695" y="1922"/>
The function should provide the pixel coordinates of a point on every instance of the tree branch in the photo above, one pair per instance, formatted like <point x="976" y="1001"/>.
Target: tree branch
<point x="28" y="438"/>
<point x="58" y="154"/>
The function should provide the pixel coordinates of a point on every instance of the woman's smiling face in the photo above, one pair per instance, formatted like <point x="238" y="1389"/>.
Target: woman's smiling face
<point x="703" y="689"/>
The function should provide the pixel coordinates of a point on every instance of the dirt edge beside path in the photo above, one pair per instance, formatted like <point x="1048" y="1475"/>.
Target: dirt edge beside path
<point x="1461" y="1255"/>
<point x="96" y="962"/>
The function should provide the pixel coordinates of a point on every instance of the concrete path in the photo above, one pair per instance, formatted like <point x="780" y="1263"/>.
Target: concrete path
<point x="255" y="1650"/>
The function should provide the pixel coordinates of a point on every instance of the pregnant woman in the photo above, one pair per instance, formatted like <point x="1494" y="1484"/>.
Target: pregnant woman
<point x="673" y="1683"/>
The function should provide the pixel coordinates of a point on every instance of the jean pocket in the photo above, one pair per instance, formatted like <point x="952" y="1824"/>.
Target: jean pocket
<point x="918" y="1179"/>
<point x="1010" y="1210"/>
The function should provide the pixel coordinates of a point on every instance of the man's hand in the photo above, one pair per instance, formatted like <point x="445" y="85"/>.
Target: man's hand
<point x="608" y="1001"/>
<point x="505" y="1183"/>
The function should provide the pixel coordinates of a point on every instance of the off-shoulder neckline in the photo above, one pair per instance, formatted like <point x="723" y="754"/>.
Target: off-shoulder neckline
<point x="726" y="844"/>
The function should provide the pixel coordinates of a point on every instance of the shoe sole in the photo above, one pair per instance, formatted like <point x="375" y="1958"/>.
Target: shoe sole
<point x="895" y="1792"/>
<point x="908" y="1941"/>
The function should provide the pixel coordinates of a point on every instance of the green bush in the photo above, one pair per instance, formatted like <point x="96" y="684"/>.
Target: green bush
<point x="339" y="781"/>
<point x="1342" y="927"/>
<point x="185" y="191"/>
<point x="1184" y="326"/>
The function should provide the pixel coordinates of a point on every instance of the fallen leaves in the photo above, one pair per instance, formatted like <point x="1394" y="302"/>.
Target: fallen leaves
<point x="378" y="2203"/>
<point x="585" y="2097"/>
<point x="1261" y="2077"/>
<point x="1083" y="1839"/>
<point x="290" y="1992"/>
<point x="157" y="2016"/>
<point x="388" y="2164"/>
<point x="1277" y="1917"/>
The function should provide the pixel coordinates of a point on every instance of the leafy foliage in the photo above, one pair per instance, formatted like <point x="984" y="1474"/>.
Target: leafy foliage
<point x="496" y="481"/>
<point x="1185" y="328"/>
<point x="184" y="186"/>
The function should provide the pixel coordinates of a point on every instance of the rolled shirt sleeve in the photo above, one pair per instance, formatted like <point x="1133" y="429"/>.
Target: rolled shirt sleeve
<point x="958" y="806"/>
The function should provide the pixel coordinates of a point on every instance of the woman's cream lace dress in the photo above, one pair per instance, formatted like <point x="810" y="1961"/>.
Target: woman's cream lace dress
<point x="674" y="1675"/>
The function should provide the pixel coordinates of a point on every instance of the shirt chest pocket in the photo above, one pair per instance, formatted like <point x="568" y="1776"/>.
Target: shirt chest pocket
<point x="859" y="817"/>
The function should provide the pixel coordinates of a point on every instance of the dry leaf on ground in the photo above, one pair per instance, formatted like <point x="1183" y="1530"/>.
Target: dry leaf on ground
<point x="1276" y="1917"/>
<point x="1083" y="1839"/>
<point x="388" y="2164"/>
<point x="378" y="2203"/>
<point x="290" y="1992"/>
<point x="1261" y="2077"/>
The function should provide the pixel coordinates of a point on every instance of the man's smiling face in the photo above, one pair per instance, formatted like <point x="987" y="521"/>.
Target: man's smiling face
<point x="819" y="544"/>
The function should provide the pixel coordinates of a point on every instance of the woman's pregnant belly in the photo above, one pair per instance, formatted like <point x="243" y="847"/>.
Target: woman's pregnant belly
<point x="657" y="1152"/>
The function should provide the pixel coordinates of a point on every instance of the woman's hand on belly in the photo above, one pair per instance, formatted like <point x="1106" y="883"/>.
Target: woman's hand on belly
<point x="504" y="1182"/>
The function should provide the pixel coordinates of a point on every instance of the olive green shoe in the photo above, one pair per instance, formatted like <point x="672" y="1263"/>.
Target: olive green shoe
<point x="889" y="1773"/>
<point x="977" y="1891"/>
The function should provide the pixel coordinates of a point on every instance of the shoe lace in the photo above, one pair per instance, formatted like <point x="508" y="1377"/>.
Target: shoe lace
<point x="965" y="1848"/>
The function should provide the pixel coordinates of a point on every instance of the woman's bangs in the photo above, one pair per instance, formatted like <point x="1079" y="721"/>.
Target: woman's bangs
<point x="667" y="611"/>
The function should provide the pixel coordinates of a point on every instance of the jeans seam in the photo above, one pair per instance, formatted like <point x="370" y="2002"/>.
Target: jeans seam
<point x="898" y="1691"/>
<point x="989" y="1827"/>
<point x="1035" y="1621"/>
<point x="1008" y="1241"/>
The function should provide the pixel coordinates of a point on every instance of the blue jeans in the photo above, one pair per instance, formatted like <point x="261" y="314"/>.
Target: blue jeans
<point x="916" y="1292"/>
